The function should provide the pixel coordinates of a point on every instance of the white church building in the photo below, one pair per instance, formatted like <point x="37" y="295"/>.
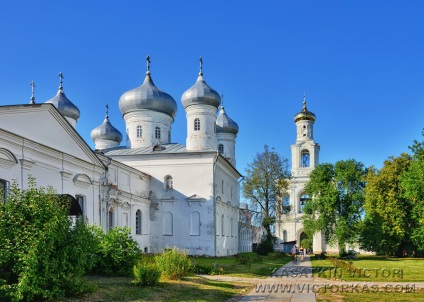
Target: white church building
<point x="169" y="194"/>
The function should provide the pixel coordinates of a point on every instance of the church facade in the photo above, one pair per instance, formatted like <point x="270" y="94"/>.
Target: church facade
<point x="169" y="194"/>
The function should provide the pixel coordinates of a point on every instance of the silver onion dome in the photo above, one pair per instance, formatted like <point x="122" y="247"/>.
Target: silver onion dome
<point x="106" y="131"/>
<point x="224" y="124"/>
<point x="200" y="93"/>
<point x="63" y="104"/>
<point x="147" y="97"/>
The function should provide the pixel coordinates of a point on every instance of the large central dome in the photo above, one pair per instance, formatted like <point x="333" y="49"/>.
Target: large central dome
<point x="147" y="97"/>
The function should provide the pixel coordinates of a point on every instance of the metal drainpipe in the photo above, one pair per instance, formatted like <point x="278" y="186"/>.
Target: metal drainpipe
<point x="238" y="222"/>
<point x="214" y="202"/>
<point x="107" y="194"/>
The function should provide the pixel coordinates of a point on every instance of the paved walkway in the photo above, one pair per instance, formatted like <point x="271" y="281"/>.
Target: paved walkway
<point x="291" y="282"/>
<point x="294" y="282"/>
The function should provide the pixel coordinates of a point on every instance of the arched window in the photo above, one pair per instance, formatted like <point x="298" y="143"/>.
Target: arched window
<point x="304" y="158"/>
<point x="284" y="236"/>
<point x="157" y="133"/>
<point x="168" y="182"/>
<point x="222" y="186"/>
<point x="196" y="124"/>
<point x="138" y="222"/>
<point x="167" y="224"/>
<point x="195" y="224"/>
<point x="302" y="202"/>
<point x="139" y="131"/>
<point x="169" y="137"/>
<point x="221" y="149"/>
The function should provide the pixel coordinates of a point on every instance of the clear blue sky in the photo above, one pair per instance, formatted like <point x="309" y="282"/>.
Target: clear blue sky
<point x="360" y="63"/>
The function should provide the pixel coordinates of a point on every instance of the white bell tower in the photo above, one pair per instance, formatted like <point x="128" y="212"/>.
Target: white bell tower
<point x="305" y="156"/>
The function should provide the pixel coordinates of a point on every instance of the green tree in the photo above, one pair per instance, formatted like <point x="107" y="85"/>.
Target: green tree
<point x="388" y="221"/>
<point x="265" y="184"/>
<point x="42" y="256"/>
<point x="337" y="192"/>
<point x="413" y="183"/>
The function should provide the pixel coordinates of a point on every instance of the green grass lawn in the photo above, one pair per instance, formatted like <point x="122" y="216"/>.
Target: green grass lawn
<point x="375" y="268"/>
<point x="193" y="288"/>
<point x="259" y="266"/>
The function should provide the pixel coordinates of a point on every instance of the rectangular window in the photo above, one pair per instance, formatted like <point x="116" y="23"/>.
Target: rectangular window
<point x="81" y="202"/>
<point x="4" y="188"/>
<point x="110" y="218"/>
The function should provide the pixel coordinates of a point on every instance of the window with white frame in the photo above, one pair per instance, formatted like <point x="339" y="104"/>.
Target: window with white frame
<point x="305" y="159"/>
<point x="169" y="183"/>
<point x="222" y="225"/>
<point x="302" y="202"/>
<point x="157" y="133"/>
<point x="138" y="222"/>
<point x="196" y="124"/>
<point x="221" y="149"/>
<point x="139" y="131"/>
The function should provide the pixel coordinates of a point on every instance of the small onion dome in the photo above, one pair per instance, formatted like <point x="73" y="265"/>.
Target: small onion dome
<point x="200" y="93"/>
<point x="147" y="97"/>
<point x="305" y="114"/>
<point x="224" y="124"/>
<point x="106" y="132"/>
<point x="65" y="106"/>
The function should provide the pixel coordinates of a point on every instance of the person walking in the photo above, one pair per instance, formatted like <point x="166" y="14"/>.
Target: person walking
<point x="293" y="252"/>
<point x="302" y="253"/>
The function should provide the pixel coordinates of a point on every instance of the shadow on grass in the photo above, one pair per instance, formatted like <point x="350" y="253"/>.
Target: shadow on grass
<point x="193" y="288"/>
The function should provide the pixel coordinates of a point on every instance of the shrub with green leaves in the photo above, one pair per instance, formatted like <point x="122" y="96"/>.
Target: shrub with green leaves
<point x="117" y="252"/>
<point x="41" y="255"/>
<point x="265" y="247"/>
<point x="146" y="273"/>
<point x="243" y="258"/>
<point x="174" y="263"/>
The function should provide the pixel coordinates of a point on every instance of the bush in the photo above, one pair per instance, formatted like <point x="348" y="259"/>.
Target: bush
<point x="217" y="269"/>
<point x="146" y="273"/>
<point x="265" y="247"/>
<point x="41" y="255"/>
<point x="201" y="269"/>
<point x="174" y="263"/>
<point x="117" y="252"/>
<point x="243" y="258"/>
